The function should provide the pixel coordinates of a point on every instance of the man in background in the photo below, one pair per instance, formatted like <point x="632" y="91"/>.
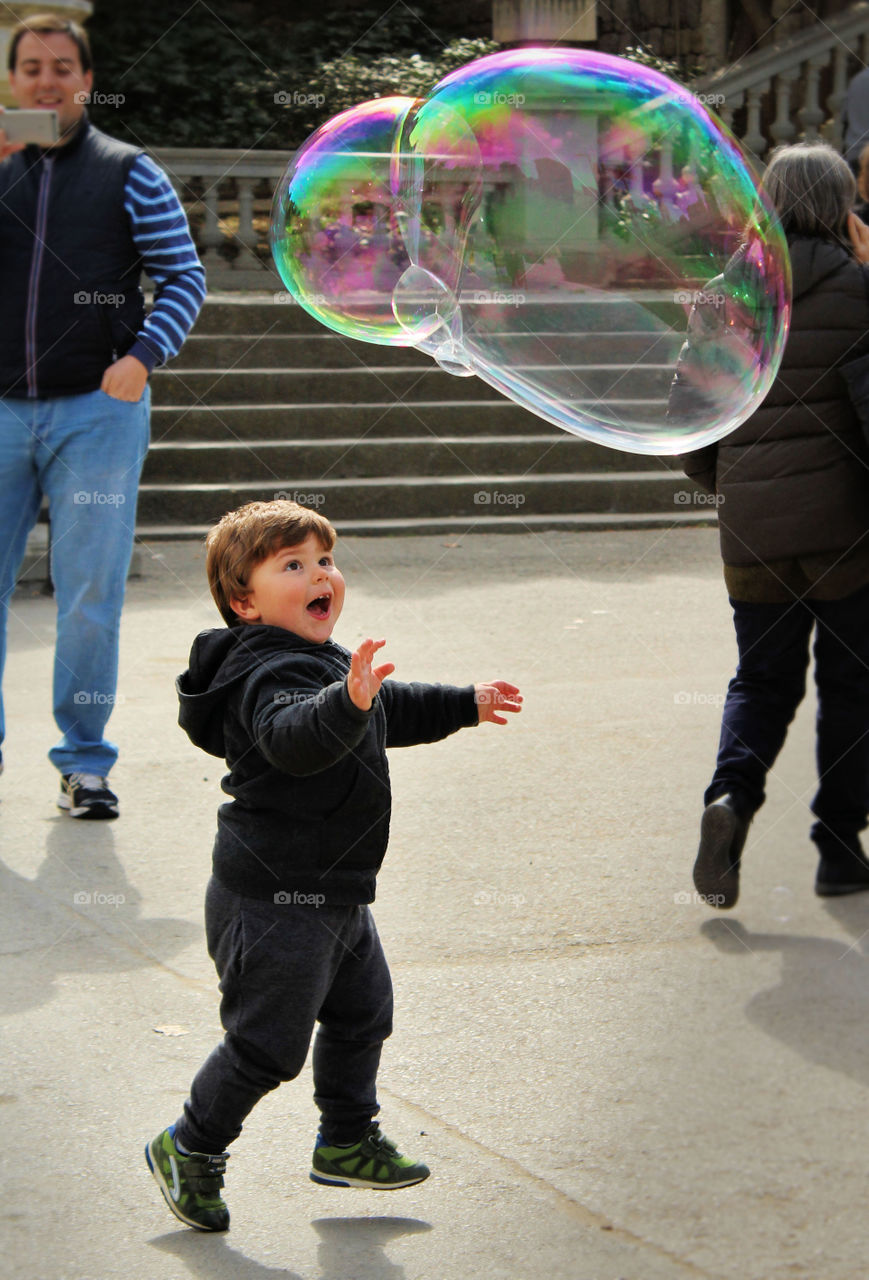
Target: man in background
<point x="80" y="220"/>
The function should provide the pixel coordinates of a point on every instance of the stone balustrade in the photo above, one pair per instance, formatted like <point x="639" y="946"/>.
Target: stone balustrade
<point x="794" y="89"/>
<point x="227" y="195"/>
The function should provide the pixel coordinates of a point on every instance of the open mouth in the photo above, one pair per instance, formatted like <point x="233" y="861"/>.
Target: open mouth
<point x="320" y="607"/>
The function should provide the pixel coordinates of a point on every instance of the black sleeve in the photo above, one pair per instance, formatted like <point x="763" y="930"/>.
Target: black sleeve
<point x="418" y="713"/>
<point x="300" y="726"/>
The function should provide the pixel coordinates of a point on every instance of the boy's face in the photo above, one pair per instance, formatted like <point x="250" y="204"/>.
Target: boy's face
<point x="298" y="588"/>
<point x="48" y="75"/>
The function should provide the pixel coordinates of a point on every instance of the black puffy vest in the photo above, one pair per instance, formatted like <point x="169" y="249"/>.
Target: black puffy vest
<point x="70" y="301"/>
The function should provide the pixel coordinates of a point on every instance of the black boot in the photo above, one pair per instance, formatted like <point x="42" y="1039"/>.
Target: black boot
<point x="842" y="867"/>
<point x="722" y="835"/>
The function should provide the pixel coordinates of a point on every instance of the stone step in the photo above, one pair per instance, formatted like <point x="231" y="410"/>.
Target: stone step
<point x="325" y="350"/>
<point x="401" y="497"/>
<point x="581" y="384"/>
<point x="344" y="457"/>
<point x="222" y="423"/>
<point x="456" y="526"/>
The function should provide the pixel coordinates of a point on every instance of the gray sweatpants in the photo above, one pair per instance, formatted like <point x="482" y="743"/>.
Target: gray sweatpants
<point x="283" y="967"/>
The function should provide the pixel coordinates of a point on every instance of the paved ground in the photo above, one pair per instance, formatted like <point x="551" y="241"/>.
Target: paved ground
<point x="608" y="1080"/>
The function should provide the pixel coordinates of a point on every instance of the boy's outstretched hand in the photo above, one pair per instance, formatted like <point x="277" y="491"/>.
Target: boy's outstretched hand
<point x="364" y="681"/>
<point x="494" y="696"/>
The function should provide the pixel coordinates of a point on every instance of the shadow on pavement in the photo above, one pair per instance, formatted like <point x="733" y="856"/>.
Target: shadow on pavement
<point x="79" y="914"/>
<point x="820" y="1008"/>
<point x="348" y="1247"/>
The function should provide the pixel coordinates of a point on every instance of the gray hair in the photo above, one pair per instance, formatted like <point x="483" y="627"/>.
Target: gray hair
<point x="812" y="189"/>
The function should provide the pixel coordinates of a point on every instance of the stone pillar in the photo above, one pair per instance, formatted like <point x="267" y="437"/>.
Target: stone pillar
<point x="713" y="25"/>
<point x="544" y="21"/>
<point x="12" y="12"/>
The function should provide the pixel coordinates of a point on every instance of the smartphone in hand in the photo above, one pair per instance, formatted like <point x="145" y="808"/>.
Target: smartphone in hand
<point x="29" y="126"/>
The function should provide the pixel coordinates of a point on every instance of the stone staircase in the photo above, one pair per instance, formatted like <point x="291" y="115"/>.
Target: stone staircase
<point x="264" y="402"/>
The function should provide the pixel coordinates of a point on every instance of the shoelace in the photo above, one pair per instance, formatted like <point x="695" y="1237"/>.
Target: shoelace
<point x="88" y="782"/>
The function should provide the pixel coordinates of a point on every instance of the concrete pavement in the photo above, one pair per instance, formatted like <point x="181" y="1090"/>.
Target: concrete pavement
<point x="608" y="1079"/>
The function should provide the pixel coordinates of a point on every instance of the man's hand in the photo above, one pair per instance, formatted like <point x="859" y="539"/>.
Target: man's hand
<point x="364" y="681"/>
<point x="125" y="379"/>
<point x="7" y="148"/>
<point x="496" y="695"/>
<point x="859" y="233"/>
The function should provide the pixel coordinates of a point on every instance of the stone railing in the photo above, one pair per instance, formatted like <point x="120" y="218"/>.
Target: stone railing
<point x="793" y="90"/>
<point x="227" y="195"/>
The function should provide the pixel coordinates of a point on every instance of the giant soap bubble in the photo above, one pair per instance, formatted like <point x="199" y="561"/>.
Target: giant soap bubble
<point x="557" y="222"/>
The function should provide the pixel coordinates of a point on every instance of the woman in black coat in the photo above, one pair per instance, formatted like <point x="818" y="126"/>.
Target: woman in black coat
<point x="792" y="488"/>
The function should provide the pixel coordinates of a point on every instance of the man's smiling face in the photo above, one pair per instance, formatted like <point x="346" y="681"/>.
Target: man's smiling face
<point x="299" y="588"/>
<point x="48" y="76"/>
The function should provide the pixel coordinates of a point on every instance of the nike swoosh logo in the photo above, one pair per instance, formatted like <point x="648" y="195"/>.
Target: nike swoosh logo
<point x="175" y="1190"/>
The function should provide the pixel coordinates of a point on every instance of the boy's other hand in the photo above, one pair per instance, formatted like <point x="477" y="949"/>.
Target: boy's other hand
<point x="364" y="681"/>
<point x="494" y="696"/>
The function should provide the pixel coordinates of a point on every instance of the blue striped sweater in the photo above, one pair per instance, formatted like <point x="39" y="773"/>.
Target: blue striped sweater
<point x="162" y="236"/>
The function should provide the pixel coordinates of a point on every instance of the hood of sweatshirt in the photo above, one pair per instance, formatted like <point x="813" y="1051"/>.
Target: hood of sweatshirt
<point x="220" y="660"/>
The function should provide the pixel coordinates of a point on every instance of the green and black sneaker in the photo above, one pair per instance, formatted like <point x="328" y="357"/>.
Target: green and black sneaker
<point x="190" y="1183"/>
<point x="375" y="1163"/>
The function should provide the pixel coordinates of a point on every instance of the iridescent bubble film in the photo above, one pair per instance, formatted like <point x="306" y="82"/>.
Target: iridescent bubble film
<point x="334" y="236"/>
<point x="575" y="229"/>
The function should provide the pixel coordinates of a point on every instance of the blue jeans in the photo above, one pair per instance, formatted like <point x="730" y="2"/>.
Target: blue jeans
<point x="773" y="642"/>
<point x="84" y="454"/>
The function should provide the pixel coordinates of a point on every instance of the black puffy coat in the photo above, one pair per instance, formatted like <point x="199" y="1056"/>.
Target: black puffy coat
<point x="793" y="479"/>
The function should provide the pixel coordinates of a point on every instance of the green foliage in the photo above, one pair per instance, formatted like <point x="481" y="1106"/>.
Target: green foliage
<point x="235" y="74"/>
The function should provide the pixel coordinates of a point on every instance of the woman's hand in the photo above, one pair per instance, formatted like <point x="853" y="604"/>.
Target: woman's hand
<point x="859" y="234"/>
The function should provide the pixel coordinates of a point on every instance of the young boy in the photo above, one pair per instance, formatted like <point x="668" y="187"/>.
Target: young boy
<point x="303" y="725"/>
